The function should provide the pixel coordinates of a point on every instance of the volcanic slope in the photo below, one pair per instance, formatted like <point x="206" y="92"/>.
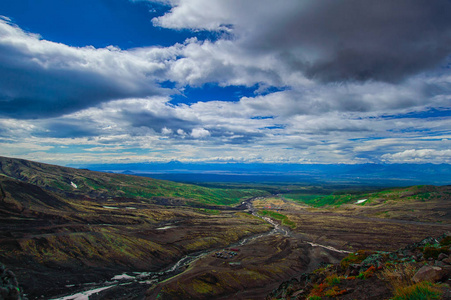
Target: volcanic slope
<point x="380" y="220"/>
<point x="72" y="182"/>
<point x="61" y="227"/>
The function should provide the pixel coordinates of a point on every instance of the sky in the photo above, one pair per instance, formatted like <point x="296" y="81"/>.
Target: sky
<point x="255" y="81"/>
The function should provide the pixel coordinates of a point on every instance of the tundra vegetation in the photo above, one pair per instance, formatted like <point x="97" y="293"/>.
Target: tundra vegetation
<point x="63" y="227"/>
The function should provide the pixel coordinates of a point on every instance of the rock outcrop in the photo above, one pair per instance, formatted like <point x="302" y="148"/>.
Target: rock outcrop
<point x="9" y="287"/>
<point x="377" y="275"/>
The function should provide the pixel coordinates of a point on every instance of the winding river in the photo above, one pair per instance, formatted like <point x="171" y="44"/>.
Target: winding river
<point x="149" y="278"/>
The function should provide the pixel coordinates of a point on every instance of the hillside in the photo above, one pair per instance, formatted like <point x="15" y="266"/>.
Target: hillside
<point x="62" y="226"/>
<point x="423" y="193"/>
<point x="423" y="203"/>
<point x="420" y="270"/>
<point x="65" y="231"/>
<point x="76" y="182"/>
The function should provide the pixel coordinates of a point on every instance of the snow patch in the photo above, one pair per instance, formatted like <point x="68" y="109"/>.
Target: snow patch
<point x="123" y="276"/>
<point x="360" y="201"/>
<point x="110" y="207"/>
<point x="84" y="295"/>
<point x="165" y="227"/>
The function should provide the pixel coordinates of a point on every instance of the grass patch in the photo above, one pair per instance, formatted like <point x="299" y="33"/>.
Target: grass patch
<point x="208" y="211"/>
<point x="272" y="214"/>
<point x="420" y="291"/>
<point x="415" y="193"/>
<point x="304" y="198"/>
<point x="399" y="275"/>
<point x="354" y="258"/>
<point x="333" y="279"/>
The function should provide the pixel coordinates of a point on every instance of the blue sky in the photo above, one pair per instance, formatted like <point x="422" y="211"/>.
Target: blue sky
<point x="111" y="81"/>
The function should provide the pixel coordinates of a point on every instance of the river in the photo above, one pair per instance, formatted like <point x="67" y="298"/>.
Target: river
<point x="149" y="278"/>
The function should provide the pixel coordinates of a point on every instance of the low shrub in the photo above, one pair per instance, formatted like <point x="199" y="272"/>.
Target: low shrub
<point x="334" y="292"/>
<point x="420" y="291"/>
<point x="318" y="290"/>
<point x="333" y="279"/>
<point x="446" y="241"/>
<point x="368" y="273"/>
<point x="354" y="258"/>
<point x="434" y="252"/>
<point x="399" y="275"/>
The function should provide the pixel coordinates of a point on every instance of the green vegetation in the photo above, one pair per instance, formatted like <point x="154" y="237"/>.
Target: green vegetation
<point x="304" y="198"/>
<point x="333" y="279"/>
<point x="421" y="193"/>
<point x="355" y="258"/>
<point x="285" y="220"/>
<point x="420" y="291"/>
<point x="208" y="211"/>
<point x="108" y="185"/>
<point x="367" y="274"/>
<point x="434" y="252"/>
<point x="446" y="241"/>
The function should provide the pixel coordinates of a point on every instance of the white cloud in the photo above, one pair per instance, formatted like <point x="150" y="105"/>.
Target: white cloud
<point x="327" y="40"/>
<point x="181" y="132"/>
<point x="199" y="133"/>
<point x="110" y="100"/>
<point x="36" y="73"/>
<point x="166" y="131"/>
<point x="419" y="156"/>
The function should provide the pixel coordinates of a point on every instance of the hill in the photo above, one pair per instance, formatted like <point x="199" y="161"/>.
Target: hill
<point x="66" y="231"/>
<point x="62" y="226"/>
<point x="77" y="182"/>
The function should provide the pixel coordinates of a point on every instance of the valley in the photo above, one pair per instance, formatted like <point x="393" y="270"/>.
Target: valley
<point x="69" y="233"/>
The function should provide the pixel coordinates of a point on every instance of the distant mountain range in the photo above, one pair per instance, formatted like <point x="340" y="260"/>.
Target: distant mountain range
<point x="360" y="174"/>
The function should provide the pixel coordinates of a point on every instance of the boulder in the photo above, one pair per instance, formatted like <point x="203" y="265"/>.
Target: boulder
<point x="440" y="264"/>
<point x="428" y="273"/>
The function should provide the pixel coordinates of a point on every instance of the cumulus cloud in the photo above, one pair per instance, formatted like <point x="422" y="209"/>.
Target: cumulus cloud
<point x="331" y="41"/>
<point x="166" y="131"/>
<point x="419" y="156"/>
<point x="40" y="78"/>
<point x="199" y="133"/>
<point x="334" y="82"/>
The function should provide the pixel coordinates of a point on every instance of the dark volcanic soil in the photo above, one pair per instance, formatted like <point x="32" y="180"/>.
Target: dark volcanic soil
<point x="259" y="267"/>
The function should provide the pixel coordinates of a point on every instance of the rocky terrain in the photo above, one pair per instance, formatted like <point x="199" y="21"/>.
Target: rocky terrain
<point x="98" y="235"/>
<point x="9" y="286"/>
<point x="259" y="267"/>
<point x="418" y="271"/>
<point x="54" y="240"/>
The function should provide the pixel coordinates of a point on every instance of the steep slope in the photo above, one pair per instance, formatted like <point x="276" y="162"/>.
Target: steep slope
<point x="61" y="226"/>
<point x="418" y="271"/>
<point x="17" y="197"/>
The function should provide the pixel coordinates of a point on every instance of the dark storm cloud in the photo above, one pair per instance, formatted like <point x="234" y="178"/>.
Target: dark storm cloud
<point x="38" y="93"/>
<point x="355" y="40"/>
<point x="157" y="122"/>
<point x="68" y="129"/>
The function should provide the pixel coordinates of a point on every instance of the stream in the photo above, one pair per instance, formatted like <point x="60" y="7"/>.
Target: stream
<point x="149" y="278"/>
